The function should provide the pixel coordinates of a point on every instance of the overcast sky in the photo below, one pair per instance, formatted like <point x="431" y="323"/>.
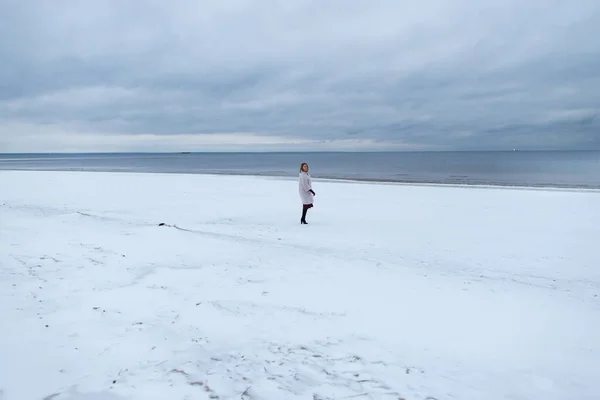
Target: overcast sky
<point x="188" y="75"/>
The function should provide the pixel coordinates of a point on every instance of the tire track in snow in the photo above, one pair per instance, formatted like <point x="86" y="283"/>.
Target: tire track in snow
<point x="245" y="308"/>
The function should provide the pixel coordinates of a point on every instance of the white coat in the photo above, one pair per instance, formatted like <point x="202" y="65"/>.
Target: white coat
<point x="304" y="187"/>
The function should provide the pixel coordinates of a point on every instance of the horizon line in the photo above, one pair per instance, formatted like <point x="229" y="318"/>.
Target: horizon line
<point x="186" y="152"/>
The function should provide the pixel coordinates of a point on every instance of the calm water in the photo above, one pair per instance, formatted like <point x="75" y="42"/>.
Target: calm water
<point x="579" y="169"/>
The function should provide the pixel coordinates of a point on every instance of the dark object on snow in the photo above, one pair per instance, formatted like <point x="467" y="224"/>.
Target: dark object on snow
<point x="162" y="224"/>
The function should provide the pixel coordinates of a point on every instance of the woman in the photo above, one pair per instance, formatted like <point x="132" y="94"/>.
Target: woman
<point x="306" y="192"/>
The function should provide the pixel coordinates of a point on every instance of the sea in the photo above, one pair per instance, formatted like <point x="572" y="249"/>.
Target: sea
<point x="558" y="169"/>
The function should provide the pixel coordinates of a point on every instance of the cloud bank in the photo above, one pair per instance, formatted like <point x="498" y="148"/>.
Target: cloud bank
<point x="297" y="75"/>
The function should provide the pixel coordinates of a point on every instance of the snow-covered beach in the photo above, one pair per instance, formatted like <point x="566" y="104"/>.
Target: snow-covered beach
<point x="391" y="292"/>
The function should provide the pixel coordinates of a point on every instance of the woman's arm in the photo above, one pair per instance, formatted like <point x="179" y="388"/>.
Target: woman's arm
<point x="305" y="183"/>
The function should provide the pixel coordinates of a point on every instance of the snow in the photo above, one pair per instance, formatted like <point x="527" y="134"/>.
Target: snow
<point x="391" y="292"/>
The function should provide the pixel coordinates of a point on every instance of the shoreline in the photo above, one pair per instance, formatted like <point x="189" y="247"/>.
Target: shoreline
<point x="328" y="178"/>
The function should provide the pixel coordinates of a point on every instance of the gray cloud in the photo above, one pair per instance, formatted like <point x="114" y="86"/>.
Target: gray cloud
<point x="144" y="75"/>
